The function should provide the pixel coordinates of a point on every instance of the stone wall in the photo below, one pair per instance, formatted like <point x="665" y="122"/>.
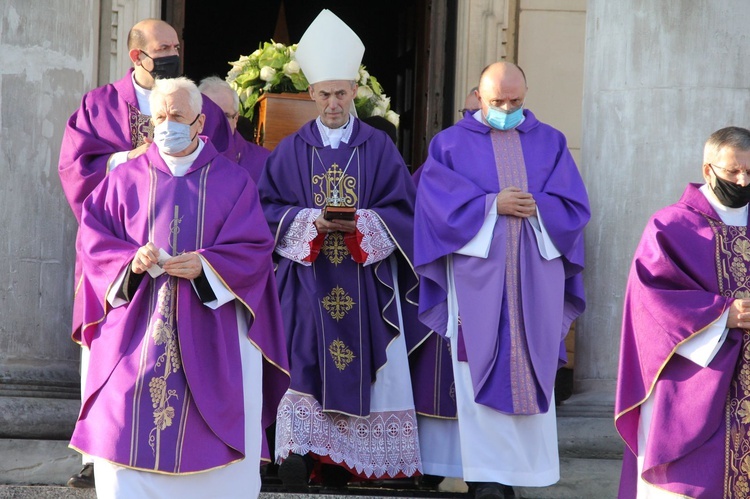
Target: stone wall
<point x="48" y="61"/>
<point x="660" y="77"/>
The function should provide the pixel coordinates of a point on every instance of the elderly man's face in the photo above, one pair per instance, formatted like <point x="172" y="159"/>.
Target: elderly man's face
<point x="333" y="99"/>
<point x="176" y="107"/>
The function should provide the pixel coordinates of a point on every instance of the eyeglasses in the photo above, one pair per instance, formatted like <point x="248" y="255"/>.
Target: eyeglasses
<point x="732" y="172"/>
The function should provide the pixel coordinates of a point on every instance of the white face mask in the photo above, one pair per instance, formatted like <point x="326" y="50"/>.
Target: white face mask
<point x="172" y="137"/>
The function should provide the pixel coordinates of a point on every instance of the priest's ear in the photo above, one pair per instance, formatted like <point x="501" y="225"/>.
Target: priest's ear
<point x="201" y="122"/>
<point x="134" y="55"/>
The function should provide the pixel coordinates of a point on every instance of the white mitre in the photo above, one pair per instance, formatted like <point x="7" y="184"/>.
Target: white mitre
<point x="329" y="50"/>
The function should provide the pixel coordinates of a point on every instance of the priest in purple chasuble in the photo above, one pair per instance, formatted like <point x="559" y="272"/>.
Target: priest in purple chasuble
<point x="181" y="315"/>
<point x="498" y="245"/>
<point x="250" y="156"/>
<point x="112" y="125"/>
<point x="683" y="388"/>
<point x="347" y="286"/>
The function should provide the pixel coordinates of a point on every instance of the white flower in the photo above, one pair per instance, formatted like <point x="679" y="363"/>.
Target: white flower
<point x="233" y="74"/>
<point x="363" y="76"/>
<point x="256" y="54"/>
<point x="267" y="73"/>
<point x="280" y="46"/>
<point x="377" y="111"/>
<point x="291" y="67"/>
<point x="363" y="91"/>
<point x="393" y="117"/>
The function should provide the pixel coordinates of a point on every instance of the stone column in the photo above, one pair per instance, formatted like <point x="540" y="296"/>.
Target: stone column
<point x="49" y="60"/>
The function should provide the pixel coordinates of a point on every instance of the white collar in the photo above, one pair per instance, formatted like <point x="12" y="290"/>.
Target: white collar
<point x="334" y="136"/>
<point x="179" y="165"/>
<point x="142" y="94"/>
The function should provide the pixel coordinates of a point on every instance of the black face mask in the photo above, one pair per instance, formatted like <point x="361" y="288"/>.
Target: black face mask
<point x="729" y="193"/>
<point x="164" y="67"/>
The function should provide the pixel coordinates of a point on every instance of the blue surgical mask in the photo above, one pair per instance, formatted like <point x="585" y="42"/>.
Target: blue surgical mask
<point x="172" y="137"/>
<point x="499" y="119"/>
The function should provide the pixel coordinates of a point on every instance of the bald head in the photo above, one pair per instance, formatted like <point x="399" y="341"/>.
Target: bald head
<point x="502" y="85"/>
<point x="144" y="31"/>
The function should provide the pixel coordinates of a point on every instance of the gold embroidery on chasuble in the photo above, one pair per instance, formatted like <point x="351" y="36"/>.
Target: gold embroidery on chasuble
<point x="341" y="354"/>
<point x="140" y="127"/>
<point x="338" y="303"/>
<point x="334" y="248"/>
<point x="334" y="183"/>
<point x="732" y="260"/>
<point x="165" y="340"/>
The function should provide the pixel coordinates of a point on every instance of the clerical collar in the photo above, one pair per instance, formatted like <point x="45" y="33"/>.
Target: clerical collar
<point x="730" y="216"/>
<point x="179" y="165"/>
<point x="142" y="94"/>
<point x="334" y="136"/>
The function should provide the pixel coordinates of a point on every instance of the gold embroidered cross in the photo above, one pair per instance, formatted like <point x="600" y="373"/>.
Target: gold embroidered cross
<point x="334" y="247"/>
<point x="338" y="303"/>
<point x="340" y="354"/>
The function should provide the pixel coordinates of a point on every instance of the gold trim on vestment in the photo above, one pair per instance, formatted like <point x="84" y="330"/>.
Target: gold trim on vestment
<point x="158" y="472"/>
<point x="393" y="293"/>
<point x="278" y="229"/>
<point x="252" y="314"/>
<point x="669" y="357"/>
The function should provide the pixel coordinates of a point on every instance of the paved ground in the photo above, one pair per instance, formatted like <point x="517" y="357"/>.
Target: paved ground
<point x="57" y="492"/>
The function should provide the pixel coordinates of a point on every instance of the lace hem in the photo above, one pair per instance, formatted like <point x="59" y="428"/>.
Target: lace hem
<point x="381" y="445"/>
<point x="295" y="245"/>
<point x="376" y="241"/>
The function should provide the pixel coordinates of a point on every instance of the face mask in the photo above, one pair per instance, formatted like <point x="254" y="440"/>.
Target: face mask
<point x="164" y="67"/>
<point x="501" y="120"/>
<point x="172" y="137"/>
<point x="731" y="194"/>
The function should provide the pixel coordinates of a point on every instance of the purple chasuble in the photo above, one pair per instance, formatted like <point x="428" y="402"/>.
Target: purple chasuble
<point x="339" y="316"/>
<point x="109" y="121"/>
<point x="249" y="156"/>
<point x="513" y="349"/>
<point x="164" y="389"/>
<point x="685" y="273"/>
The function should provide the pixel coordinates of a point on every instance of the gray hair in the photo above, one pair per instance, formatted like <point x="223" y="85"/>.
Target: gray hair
<point x="168" y="86"/>
<point x="214" y="84"/>
<point x="733" y="137"/>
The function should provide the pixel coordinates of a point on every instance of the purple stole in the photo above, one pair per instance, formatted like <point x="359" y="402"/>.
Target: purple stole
<point x="140" y="126"/>
<point x="511" y="171"/>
